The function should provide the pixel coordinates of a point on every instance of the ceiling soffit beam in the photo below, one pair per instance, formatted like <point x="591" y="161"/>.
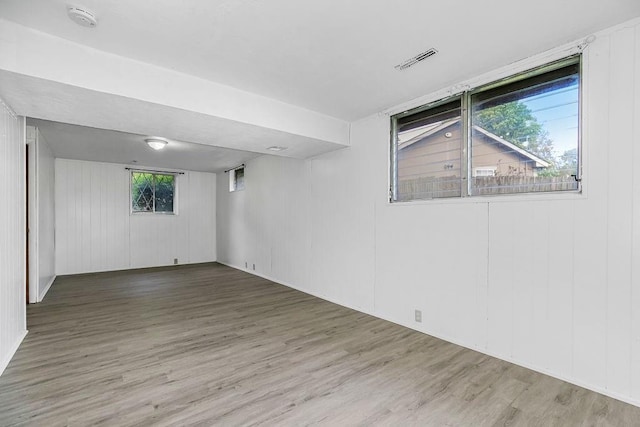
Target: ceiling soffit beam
<point x="58" y="102"/>
<point x="32" y="53"/>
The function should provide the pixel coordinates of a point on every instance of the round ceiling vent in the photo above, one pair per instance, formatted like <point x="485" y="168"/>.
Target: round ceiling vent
<point x="82" y="17"/>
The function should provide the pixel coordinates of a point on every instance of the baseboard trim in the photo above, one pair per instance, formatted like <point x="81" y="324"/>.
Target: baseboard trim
<point x="46" y="288"/>
<point x="130" y="268"/>
<point x="569" y="379"/>
<point x="306" y="291"/>
<point x="12" y="351"/>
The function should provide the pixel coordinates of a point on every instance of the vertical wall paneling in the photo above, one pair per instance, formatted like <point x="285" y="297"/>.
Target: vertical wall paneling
<point x="332" y="180"/>
<point x="96" y="231"/>
<point x="551" y="282"/>
<point x="104" y="221"/>
<point x="202" y="222"/>
<point x="80" y="188"/>
<point x="13" y="326"/>
<point x="590" y="239"/>
<point x="60" y="227"/>
<point x="274" y="228"/>
<point x="231" y="236"/>
<point x="500" y="307"/>
<point x="41" y="215"/>
<point x="282" y="255"/>
<point x="537" y="274"/>
<point x="481" y="330"/>
<point x="635" y="272"/>
<point x="32" y="219"/>
<point x="619" y="213"/>
<point x="557" y="306"/>
<point x="341" y="217"/>
<point x="46" y="216"/>
<point x="83" y="216"/>
<point x="94" y="224"/>
<point x="527" y="277"/>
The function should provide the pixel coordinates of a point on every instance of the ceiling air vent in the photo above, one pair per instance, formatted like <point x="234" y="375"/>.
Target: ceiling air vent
<point x="413" y="61"/>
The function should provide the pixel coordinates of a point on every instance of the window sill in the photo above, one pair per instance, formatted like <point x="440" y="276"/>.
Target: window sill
<point x="154" y="213"/>
<point x="498" y="198"/>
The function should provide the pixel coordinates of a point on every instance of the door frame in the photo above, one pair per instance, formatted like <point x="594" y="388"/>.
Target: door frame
<point x="32" y="215"/>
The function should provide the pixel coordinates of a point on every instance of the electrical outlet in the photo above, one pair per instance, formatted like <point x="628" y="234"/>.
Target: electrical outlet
<point x="246" y="264"/>
<point x="418" y="316"/>
<point x="254" y="267"/>
<point x="175" y="261"/>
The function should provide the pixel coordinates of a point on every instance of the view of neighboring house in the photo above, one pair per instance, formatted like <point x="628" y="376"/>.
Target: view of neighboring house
<point x="433" y="151"/>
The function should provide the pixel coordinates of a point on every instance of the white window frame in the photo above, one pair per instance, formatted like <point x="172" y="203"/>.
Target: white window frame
<point x="483" y="169"/>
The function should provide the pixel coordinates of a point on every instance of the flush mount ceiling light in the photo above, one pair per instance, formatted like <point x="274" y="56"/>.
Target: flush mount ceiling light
<point x="82" y="16"/>
<point x="413" y="61"/>
<point x="156" y="143"/>
<point x="276" y="148"/>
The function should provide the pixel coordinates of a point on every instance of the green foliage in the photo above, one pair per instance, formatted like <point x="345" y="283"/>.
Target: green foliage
<point x="568" y="162"/>
<point x="152" y="192"/>
<point x="164" y="193"/>
<point x="514" y="122"/>
<point x="142" y="191"/>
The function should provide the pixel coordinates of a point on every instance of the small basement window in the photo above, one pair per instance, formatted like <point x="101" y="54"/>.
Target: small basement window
<point x="516" y="135"/>
<point x="236" y="179"/>
<point x="153" y="192"/>
<point x="491" y="171"/>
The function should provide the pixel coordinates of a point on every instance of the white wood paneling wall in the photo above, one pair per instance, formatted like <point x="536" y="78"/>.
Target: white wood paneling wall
<point x="41" y="215"/>
<point x="96" y="232"/>
<point x="259" y="214"/>
<point x="13" y="318"/>
<point x="549" y="282"/>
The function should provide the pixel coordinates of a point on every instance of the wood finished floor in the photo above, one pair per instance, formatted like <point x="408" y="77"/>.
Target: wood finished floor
<point x="210" y="345"/>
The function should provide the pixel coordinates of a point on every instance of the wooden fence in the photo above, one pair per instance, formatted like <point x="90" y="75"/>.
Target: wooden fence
<point x="429" y="188"/>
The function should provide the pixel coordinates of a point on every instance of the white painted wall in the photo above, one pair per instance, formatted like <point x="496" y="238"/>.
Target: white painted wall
<point x="41" y="216"/>
<point x="250" y="220"/>
<point x="550" y="282"/>
<point x="13" y="325"/>
<point x="96" y="232"/>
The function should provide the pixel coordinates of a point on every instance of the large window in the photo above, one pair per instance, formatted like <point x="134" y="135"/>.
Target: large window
<point x="152" y="192"/>
<point x="519" y="135"/>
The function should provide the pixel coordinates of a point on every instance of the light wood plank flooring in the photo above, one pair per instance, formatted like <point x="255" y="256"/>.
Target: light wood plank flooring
<point x="210" y="345"/>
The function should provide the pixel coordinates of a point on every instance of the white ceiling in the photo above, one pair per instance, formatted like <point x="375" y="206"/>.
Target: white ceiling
<point x="331" y="56"/>
<point x="85" y="143"/>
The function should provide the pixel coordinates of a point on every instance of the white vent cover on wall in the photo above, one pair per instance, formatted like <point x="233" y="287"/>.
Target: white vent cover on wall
<point x="413" y="61"/>
<point x="82" y="16"/>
